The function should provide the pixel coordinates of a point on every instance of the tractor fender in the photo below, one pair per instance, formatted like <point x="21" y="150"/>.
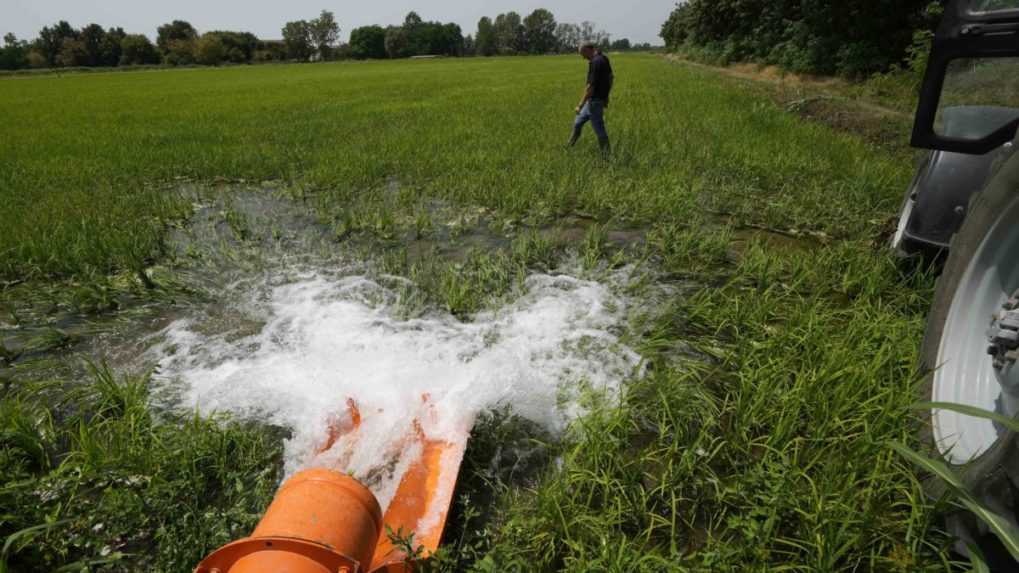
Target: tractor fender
<point x="943" y="188"/>
<point x="946" y="181"/>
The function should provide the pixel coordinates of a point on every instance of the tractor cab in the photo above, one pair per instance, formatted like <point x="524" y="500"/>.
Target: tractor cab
<point x="967" y="117"/>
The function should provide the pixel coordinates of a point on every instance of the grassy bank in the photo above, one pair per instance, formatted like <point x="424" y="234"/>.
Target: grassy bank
<point x="779" y="369"/>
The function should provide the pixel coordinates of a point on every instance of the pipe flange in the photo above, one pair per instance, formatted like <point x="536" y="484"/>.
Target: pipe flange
<point x="1004" y="335"/>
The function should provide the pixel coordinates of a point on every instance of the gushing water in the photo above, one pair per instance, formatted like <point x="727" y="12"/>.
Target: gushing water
<point x="315" y="341"/>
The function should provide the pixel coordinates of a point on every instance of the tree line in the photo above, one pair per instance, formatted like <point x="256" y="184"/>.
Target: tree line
<point x="178" y="43"/>
<point x="853" y="38"/>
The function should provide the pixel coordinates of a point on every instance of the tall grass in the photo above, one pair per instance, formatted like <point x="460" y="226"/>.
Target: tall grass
<point x="103" y="482"/>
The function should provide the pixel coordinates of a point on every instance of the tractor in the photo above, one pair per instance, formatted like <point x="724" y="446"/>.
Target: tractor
<point x="963" y="208"/>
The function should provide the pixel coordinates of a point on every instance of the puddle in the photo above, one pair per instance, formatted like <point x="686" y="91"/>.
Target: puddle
<point x="772" y="239"/>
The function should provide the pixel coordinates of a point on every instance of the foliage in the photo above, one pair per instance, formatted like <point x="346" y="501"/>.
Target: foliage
<point x="485" y="42"/>
<point x="539" y="32"/>
<point x="72" y="53"/>
<point x="180" y="52"/>
<point x="323" y="33"/>
<point x="169" y="37"/>
<point x="510" y="35"/>
<point x="14" y="54"/>
<point x="568" y="38"/>
<point x="136" y="49"/>
<point x="419" y="38"/>
<point x="209" y="50"/>
<point x="238" y="47"/>
<point x="297" y="39"/>
<point x="854" y="39"/>
<point x="368" y="42"/>
<point x="51" y="41"/>
<point x="397" y="42"/>
<point x="61" y="45"/>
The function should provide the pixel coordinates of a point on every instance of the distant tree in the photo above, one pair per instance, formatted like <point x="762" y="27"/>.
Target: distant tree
<point x="14" y="54"/>
<point x="397" y="42"/>
<point x="270" y="51"/>
<point x="590" y="34"/>
<point x="51" y="41"/>
<point x="176" y="31"/>
<point x="452" y="40"/>
<point x="36" y="59"/>
<point x="676" y="29"/>
<point x="72" y="54"/>
<point x="587" y="32"/>
<point x="469" y="47"/>
<point x="110" y="50"/>
<point x="420" y="36"/>
<point x="485" y="42"/>
<point x="368" y="42"/>
<point x="136" y="49"/>
<point x="567" y="37"/>
<point x="93" y="37"/>
<point x="412" y="19"/>
<point x="539" y="30"/>
<point x="297" y="39"/>
<point x="238" y="47"/>
<point x="324" y="32"/>
<point x="509" y="31"/>
<point x="210" y="50"/>
<point x="180" y="52"/>
<point x="621" y="45"/>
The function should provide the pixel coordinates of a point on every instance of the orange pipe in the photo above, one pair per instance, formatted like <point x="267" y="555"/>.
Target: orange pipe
<point x="320" y="522"/>
<point x="325" y="522"/>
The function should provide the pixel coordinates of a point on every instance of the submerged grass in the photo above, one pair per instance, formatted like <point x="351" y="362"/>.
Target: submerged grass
<point x="778" y="372"/>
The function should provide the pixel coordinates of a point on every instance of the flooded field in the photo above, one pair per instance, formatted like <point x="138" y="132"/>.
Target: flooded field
<point x="690" y="356"/>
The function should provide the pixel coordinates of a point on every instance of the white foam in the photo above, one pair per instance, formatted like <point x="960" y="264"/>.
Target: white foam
<point x="328" y="339"/>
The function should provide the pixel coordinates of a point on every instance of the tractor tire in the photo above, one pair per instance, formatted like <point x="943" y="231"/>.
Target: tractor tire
<point x="992" y="471"/>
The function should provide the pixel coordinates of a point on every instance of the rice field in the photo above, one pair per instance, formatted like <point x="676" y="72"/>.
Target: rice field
<point x="778" y="339"/>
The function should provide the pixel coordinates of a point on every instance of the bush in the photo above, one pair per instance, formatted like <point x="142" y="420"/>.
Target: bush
<point x="368" y="42"/>
<point x="210" y="51"/>
<point x="136" y="50"/>
<point x="180" y="53"/>
<point x="854" y="38"/>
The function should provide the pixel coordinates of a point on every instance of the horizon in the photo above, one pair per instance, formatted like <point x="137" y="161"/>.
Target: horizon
<point x="640" y="21"/>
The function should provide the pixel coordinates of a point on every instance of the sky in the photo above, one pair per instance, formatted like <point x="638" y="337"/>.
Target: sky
<point x="638" y="20"/>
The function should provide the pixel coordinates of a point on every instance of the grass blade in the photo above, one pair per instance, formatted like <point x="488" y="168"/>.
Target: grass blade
<point x="1003" y="530"/>
<point x="1010" y="423"/>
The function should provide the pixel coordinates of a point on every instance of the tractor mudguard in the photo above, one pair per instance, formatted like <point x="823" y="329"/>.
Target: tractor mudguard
<point x="947" y="181"/>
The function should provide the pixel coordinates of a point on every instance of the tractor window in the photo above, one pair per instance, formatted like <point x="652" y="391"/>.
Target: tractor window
<point x="978" y="6"/>
<point x="980" y="96"/>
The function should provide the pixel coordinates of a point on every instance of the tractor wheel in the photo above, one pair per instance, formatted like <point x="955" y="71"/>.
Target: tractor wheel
<point x="970" y="348"/>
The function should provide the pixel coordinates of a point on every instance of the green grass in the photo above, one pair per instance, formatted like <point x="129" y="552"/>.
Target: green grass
<point x="79" y="150"/>
<point x="758" y="442"/>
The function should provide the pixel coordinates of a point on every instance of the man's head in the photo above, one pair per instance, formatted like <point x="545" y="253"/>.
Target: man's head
<point x="587" y="51"/>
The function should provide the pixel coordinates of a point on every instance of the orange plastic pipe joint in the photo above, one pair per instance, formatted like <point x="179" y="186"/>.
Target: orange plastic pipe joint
<point x="320" y="522"/>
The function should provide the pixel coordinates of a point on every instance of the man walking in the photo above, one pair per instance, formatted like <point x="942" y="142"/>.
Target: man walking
<point x="596" y="97"/>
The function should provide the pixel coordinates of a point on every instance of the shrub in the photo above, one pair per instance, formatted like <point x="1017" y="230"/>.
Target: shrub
<point x="210" y="51"/>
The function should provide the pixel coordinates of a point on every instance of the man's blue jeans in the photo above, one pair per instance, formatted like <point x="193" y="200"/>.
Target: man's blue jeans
<point x="594" y="112"/>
